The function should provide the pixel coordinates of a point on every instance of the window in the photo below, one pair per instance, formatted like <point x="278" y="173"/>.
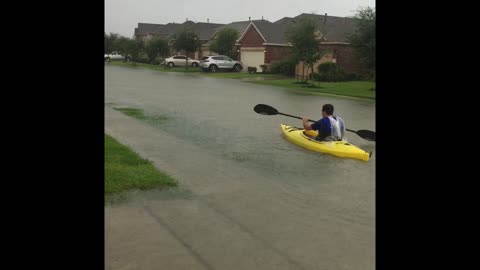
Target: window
<point x="179" y="57"/>
<point x="217" y="58"/>
<point x="204" y="58"/>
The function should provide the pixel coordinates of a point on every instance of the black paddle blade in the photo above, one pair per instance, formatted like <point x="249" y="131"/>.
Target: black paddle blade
<point x="265" y="109"/>
<point x="366" y="134"/>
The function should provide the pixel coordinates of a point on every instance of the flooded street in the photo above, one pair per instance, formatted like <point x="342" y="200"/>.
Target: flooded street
<point x="247" y="198"/>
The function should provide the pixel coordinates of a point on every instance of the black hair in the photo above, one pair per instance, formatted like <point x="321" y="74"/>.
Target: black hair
<point x="328" y="108"/>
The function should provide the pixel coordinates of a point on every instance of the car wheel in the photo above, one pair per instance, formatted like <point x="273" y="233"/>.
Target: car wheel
<point x="213" y="68"/>
<point x="237" y="68"/>
<point x="194" y="65"/>
<point x="171" y="64"/>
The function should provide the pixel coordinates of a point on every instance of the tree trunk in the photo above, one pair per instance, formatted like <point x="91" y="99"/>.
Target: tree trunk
<point x="312" y="75"/>
<point x="303" y="71"/>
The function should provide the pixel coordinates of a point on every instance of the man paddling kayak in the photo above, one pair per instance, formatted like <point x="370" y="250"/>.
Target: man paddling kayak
<point x="330" y="127"/>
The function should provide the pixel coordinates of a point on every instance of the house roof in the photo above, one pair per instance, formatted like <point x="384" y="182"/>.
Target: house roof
<point x="206" y="30"/>
<point x="240" y="26"/>
<point x="146" y="28"/>
<point x="203" y="30"/>
<point x="273" y="33"/>
<point x="335" y="29"/>
<point x="284" y="20"/>
<point x="167" y="30"/>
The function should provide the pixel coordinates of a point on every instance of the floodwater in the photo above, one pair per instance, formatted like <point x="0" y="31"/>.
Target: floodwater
<point x="311" y="210"/>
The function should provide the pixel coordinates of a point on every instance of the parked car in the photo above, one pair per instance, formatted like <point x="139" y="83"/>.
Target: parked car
<point x="113" y="56"/>
<point x="213" y="63"/>
<point x="179" y="60"/>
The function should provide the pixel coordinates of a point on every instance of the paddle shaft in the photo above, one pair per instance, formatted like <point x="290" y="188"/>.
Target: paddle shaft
<point x="310" y="120"/>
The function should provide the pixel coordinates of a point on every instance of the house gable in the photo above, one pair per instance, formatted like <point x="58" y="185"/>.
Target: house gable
<point x="251" y="37"/>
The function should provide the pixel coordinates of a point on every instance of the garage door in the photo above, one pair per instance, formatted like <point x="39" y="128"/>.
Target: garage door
<point x="252" y="59"/>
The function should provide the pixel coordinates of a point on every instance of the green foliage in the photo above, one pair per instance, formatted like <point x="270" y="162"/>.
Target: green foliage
<point x="224" y="43"/>
<point x="286" y="67"/>
<point x="156" y="47"/>
<point x="331" y="72"/>
<point x="301" y="36"/>
<point x="109" y="41"/>
<point x="363" y="39"/>
<point x="128" y="47"/>
<point x="186" y="40"/>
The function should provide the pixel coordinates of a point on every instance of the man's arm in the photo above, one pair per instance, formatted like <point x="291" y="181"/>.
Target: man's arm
<point x="306" y="125"/>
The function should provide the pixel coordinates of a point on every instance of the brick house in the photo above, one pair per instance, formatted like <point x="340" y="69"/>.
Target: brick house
<point x="240" y="27"/>
<point x="262" y="43"/>
<point x="332" y="36"/>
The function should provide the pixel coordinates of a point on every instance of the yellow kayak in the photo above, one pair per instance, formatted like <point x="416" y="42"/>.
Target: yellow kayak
<point x="339" y="148"/>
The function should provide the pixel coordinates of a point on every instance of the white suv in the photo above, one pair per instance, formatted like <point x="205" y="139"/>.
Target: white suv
<point x="213" y="63"/>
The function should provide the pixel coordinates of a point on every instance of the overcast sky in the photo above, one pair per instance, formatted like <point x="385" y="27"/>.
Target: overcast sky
<point x="122" y="16"/>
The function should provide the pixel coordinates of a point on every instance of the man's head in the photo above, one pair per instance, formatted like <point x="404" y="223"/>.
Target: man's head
<point x="327" y="110"/>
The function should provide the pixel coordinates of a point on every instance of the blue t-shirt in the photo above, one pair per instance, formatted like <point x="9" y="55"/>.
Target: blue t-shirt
<point x="323" y="127"/>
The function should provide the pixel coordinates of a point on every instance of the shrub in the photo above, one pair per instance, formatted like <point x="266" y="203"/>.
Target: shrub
<point x="286" y="67"/>
<point x="252" y="69"/>
<point x="352" y="77"/>
<point x="328" y="68"/>
<point x="330" y="72"/>
<point x="370" y="76"/>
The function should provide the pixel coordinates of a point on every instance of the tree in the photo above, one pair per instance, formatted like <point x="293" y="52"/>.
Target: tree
<point x="119" y="45"/>
<point x="156" y="47"/>
<point x="301" y="36"/>
<point x="363" y="39"/>
<point x="188" y="41"/>
<point x="129" y="47"/>
<point x="109" y="41"/>
<point x="225" y="42"/>
<point x="138" y="49"/>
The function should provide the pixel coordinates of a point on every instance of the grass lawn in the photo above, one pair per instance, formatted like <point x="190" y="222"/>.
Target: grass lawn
<point x="239" y="75"/>
<point x="125" y="170"/>
<point x="155" y="67"/>
<point x="140" y="115"/>
<point x="220" y="74"/>
<point x="354" y="88"/>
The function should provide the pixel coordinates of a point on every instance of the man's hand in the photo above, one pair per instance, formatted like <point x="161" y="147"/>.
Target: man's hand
<point x="306" y="125"/>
